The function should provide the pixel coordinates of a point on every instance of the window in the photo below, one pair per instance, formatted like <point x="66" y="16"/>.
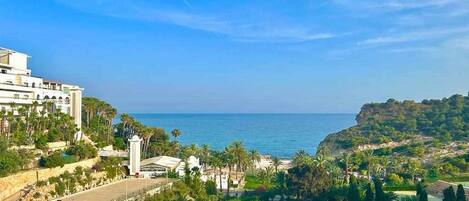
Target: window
<point x="33" y="85"/>
<point x="26" y="97"/>
<point x="38" y="97"/>
<point x="4" y="71"/>
<point x="16" y="96"/>
<point x="26" y="84"/>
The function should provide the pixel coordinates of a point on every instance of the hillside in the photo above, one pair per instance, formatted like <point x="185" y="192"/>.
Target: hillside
<point x="394" y="123"/>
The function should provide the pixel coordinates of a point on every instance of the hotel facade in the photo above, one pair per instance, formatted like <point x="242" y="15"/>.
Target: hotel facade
<point x="18" y="86"/>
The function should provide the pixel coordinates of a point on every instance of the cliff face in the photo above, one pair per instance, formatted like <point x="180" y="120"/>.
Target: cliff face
<point x="393" y="121"/>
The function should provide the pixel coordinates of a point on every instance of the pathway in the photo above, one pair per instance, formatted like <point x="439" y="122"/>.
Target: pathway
<point x="116" y="190"/>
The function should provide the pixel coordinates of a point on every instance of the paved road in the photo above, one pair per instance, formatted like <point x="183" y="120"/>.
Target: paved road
<point x="116" y="190"/>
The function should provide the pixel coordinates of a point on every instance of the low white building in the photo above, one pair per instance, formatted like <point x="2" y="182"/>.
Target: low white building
<point x="161" y="165"/>
<point x="18" y="86"/>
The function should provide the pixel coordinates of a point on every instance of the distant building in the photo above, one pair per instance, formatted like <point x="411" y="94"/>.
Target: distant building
<point x="18" y="86"/>
<point x="161" y="165"/>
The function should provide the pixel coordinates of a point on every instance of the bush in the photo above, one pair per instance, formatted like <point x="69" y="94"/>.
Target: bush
<point x="211" y="187"/>
<point x="37" y="195"/>
<point x="394" y="179"/>
<point x="12" y="161"/>
<point x="41" y="142"/>
<point x="83" y="151"/>
<point x="119" y="143"/>
<point x="41" y="183"/>
<point x="53" y="160"/>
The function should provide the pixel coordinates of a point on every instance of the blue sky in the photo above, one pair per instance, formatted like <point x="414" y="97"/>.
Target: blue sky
<point x="247" y="55"/>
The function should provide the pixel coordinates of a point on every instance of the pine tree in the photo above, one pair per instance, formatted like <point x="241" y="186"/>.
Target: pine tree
<point x="460" y="194"/>
<point x="448" y="194"/>
<point x="423" y="196"/>
<point x="421" y="193"/>
<point x="419" y="188"/>
<point x="369" y="195"/>
<point x="379" y="193"/>
<point x="353" y="191"/>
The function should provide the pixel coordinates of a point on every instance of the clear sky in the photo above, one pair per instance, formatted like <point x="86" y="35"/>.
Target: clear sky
<point x="245" y="55"/>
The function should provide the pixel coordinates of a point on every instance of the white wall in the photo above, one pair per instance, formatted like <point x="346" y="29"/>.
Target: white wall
<point x="18" y="60"/>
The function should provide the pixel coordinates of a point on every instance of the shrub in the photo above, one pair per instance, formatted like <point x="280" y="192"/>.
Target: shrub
<point x="37" y="195"/>
<point x="83" y="150"/>
<point x="119" y="143"/>
<point x="53" y="160"/>
<point x="41" y="142"/>
<point x="394" y="179"/>
<point x="41" y="183"/>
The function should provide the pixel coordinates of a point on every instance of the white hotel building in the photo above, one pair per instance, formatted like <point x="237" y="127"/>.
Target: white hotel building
<point x="19" y="87"/>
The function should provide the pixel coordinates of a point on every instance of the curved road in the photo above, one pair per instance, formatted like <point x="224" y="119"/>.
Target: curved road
<point x="115" y="190"/>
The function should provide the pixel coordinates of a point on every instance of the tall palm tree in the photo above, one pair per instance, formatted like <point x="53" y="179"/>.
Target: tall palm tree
<point x="254" y="157"/>
<point x="276" y="162"/>
<point x="346" y="159"/>
<point x="229" y="160"/>
<point x="216" y="161"/>
<point x="146" y="135"/>
<point x="2" y="121"/>
<point x="205" y="153"/>
<point x="237" y="148"/>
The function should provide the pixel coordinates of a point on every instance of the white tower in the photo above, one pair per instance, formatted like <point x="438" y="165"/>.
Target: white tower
<point x="134" y="155"/>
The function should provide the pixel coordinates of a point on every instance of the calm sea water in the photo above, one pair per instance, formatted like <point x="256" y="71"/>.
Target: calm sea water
<point x="276" y="134"/>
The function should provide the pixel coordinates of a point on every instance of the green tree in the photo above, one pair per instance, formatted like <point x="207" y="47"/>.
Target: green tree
<point x="276" y="162"/>
<point x="53" y="160"/>
<point x="353" y="191"/>
<point x="460" y="194"/>
<point x="448" y="194"/>
<point x="369" y="195"/>
<point x="176" y="133"/>
<point x="379" y="193"/>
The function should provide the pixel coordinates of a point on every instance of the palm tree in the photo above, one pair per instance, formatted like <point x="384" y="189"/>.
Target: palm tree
<point x="302" y="158"/>
<point x="266" y="175"/>
<point x="176" y="133"/>
<point x="239" y="153"/>
<point x="216" y="161"/>
<point x="276" y="162"/>
<point x="205" y="153"/>
<point x="2" y="121"/>
<point x="254" y="157"/>
<point x="146" y="135"/>
<point x="368" y="156"/>
<point x="229" y="160"/>
<point x="346" y="161"/>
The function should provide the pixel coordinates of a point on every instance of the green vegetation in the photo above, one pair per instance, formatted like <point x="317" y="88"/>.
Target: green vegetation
<point x="97" y="121"/>
<point x="67" y="182"/>
<point x="12" y="161"/>
<point x="112" y="167"/>
<point x="82" y="151"/>
<point x="444" y="120"/>
<point x="53" y="160"/>
<point x="35" y="125"/>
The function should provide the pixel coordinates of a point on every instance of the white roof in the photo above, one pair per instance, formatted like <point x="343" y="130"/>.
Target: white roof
<point x="165" y="161"/>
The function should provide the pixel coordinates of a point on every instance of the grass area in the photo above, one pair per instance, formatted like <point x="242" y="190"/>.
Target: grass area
<point x="252" y="182"/>
<point x="69" y="159"/>
<point x="464" y="183"/>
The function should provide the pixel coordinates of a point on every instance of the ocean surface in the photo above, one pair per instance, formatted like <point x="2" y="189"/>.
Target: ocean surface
<point x="279" y="135"/>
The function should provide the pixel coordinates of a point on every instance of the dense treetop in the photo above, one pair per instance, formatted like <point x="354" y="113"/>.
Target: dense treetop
<point x="446" y="119"/>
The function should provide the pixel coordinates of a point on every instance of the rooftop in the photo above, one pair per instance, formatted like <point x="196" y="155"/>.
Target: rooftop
<point x="165" y="161"/>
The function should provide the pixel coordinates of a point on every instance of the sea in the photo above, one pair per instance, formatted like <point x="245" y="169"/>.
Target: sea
<point x="280" y="135"/>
